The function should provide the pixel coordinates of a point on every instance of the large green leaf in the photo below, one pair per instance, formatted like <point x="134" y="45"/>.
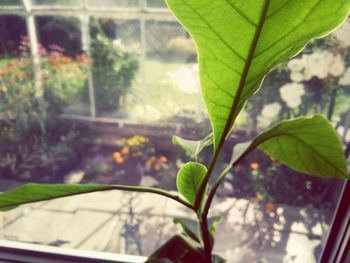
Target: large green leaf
<point x="189" y="180"/>
<point x="307" y="145"/>
<point x="40" y="192"/>
<point x="239" y="41"/>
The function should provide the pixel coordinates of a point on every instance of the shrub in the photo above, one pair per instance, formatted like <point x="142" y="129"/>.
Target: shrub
<point x="114" y="67"/>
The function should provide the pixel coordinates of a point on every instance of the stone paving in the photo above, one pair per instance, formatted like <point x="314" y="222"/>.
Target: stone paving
<point x="130" y="223"/>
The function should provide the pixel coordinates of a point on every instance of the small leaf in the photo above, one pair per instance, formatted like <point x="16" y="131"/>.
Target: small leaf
<point x="189" y="180"/>
<point x="307" y="145"/>
<point x="217" y="259"/>
<point x="212" y="221"/>
<point x="178" y="249"/>
<point x="193" y="148"/>
<point x="190" y="227"/>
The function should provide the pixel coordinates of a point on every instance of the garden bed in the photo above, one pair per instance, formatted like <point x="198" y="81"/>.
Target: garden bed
<point x="109" y="154"/>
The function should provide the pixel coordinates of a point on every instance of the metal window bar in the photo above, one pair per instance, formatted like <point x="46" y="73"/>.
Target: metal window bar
<point x="336" y="249"/>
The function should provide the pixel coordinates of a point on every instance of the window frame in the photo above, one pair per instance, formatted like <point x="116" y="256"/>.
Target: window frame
<point x="12" y="251"/>
<point x="337" y="245"/>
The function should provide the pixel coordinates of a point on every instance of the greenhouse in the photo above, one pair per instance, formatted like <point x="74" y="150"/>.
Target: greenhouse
<point x="143" y="130"/>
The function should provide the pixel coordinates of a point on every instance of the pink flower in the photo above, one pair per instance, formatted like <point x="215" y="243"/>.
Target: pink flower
<point x="57" y="48"/>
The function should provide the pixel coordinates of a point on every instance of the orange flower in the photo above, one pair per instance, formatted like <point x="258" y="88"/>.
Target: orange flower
<point x="125" y="150"/>
<point x="116" y="155"/>
<point x="270" y="207"/>
<point x="163" y="159"/>
<point x="152" y="159"/>
<point x="157" y="167"/>
<point x="254" y="166"/>
<point x="118" y="158"/>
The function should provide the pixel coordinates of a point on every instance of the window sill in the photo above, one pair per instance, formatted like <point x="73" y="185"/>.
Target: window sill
<point x="11" y="251"/>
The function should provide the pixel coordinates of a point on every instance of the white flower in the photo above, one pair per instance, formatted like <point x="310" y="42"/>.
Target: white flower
<point x="297" y="76"/>
<point x="307" y="74"/>
<point x="342" y="34"/>
<point x="296" y="65"/>
<point x="345" y="79"/>
<point x="269" y="112"/>
<point x="291" y="94"/>
<point x="186" y="78"/>
<point x="318" y="63"/>
<point x="337" y="67"/>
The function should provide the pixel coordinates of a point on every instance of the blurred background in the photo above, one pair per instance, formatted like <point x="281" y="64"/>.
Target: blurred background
<point x="93" y="91"/>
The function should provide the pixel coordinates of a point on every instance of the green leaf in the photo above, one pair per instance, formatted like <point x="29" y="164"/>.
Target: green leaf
<point x="178" y="249"/>
<point x="192" y="227"/>
<point x="307" y="145"/>
<point x="189" y="180"/>
<point x="30" y="193"/>
<point x="212" y="221"/>
<point x="193" y="148"/>
<point x="218" y="259"/>
<point x="240" y="41"/>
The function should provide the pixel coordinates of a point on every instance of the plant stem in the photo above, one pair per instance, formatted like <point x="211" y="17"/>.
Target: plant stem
<point x="206" y="238"/>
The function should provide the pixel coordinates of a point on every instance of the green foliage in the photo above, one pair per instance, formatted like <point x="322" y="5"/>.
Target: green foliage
<point x="114" y="68"/>
<point x="294" y="144"/>
<point x="307" y="145"/>
<point x="233" y="62"/>
<point x="189" y="180"/>
<point x="26" y="117"/>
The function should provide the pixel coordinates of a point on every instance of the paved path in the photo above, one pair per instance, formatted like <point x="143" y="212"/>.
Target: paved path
<point x="136" y="224"/>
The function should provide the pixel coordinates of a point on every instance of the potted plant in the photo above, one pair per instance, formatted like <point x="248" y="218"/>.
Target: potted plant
<point x="238" y="43"/>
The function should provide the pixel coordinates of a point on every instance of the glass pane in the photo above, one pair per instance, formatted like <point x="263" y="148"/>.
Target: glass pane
<point x="170" y="76"/>
<point x="11" y="2"/>
<point x="61" y="3"/>
<point x="156" y="4"/>
<point x="115" y="48"/>
<point x="64" y="65"/>
<point x="113" y="3"/>
<point x="12" y="29"/>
